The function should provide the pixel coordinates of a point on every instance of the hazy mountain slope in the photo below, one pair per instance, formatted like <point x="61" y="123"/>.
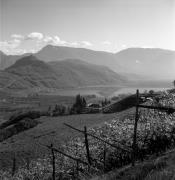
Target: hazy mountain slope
<point x="12" y="81"/>
<point x="57" y="53"/>
<point x="29" y="72"/>
<point x="87" y="74"/>
<point x="135" y="63"/>
<point x="36" y="72"/>
<point x="152" y="63"/>
<point x="157" y="63"/>
<point x="8" y="60"/>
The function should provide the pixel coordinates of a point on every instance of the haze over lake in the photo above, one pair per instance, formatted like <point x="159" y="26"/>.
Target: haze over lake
<point x="105" y="91"/>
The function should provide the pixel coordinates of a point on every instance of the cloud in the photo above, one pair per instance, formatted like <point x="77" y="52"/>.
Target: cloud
<point x="34" y="41"/>
<point x="4" y="46"/>
<point x="19" y="51"/>
<point x="33" y="50"/>
<point x="106" y="43"/>
<point x="86" y="43"/>
<point x="48" y="39"/>
<point x="17" y="36"/>
<point x="16" y="41"/>
<point x="3" y="43"/>
<point x="58" y="41"/>
<point x="147" y="46"/>
<point x="54" y="40"/>
<point x="35" y="36"/>
<point x="124" y="46"/>
<point x="75" y="44"/>
<point x="9" y="46"/>
<point x="138" y="62"/>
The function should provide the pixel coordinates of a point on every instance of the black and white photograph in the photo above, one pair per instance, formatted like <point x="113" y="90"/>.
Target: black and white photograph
<point x="87" y="89"/>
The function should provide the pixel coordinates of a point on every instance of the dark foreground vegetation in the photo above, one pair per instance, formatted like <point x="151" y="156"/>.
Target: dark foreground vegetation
<point x="156" y="168"/>
<point x="18" y="127"/>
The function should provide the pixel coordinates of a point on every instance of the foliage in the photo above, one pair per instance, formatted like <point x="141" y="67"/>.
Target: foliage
<point x="105" y="102"/>
<point x="151" y="91"/>
<point x="17" y="117"/>
<point x="122" y="104"/>
<point x="79" y="104"/>
<point x="59" y="110"/>
<point x="24" y="124"/>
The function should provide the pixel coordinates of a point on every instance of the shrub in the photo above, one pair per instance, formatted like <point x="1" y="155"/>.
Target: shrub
<point x="23" y="125"/>
<point x="59" y="110"/>
<point x="20" y="116"/>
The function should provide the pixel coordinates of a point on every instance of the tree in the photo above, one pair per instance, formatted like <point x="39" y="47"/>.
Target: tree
<point x="151" y="92"/>
<point x="174" y="83"/>
<point x="59" y="110"/>
<point x="83" y="102"/>
<point x="79" y="104"/>
<point x="105" y="102"/>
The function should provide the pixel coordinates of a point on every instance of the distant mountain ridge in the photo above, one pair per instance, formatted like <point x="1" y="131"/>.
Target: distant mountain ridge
<point x="29" y="72"/>
<point x="158" y="63"/>
<point x="140" y="61"/>
<point x="57" y="53"/>
<point x="131" y="62"/>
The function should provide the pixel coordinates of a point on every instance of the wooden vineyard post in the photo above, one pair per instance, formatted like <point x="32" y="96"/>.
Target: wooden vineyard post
<point x="53" y="162"/>
<point x="87" y="145"/>
<point x="135" y="130"/>
<point x="104" y="158"/>
<point x="14" y="165"/>
<point x="77" y="168"/>
<point x="28" y="163"/>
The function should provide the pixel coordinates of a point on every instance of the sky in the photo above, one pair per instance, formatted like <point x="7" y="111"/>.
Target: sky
<point x="105" y="25"/>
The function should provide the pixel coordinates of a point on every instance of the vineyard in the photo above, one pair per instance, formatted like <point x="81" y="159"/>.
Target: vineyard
<point x="112" y="147"/>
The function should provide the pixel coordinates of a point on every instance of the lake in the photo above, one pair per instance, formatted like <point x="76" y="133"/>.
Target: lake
<point x="104" y="91"/>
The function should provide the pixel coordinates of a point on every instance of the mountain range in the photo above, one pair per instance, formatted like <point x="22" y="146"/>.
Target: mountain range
<point x="66" y="67"/>
<point x="30" y="72"/>
<point x="135" y="63"/>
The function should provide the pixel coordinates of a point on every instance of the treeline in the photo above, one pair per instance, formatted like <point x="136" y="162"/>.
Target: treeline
<point x="76" y="108"/>
<point x="79" y="106"/>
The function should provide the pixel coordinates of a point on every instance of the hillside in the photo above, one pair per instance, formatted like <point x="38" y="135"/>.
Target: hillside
<point x="157" y="63"/>
<point x="8" y="60"/>
<point x="57" y="53"/>
<point x="155" y="168"/>
<point x="29" y="72"/>
<point x="87" y="74"/>
<point x="12" y="81"/>
<point x="33" y="71"/>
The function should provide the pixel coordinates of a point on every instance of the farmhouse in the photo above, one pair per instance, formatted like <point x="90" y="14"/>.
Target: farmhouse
<point x="93" y="105"/>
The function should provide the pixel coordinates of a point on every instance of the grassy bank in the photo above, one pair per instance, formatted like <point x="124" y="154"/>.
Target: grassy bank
<point x="161" y="168"/>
